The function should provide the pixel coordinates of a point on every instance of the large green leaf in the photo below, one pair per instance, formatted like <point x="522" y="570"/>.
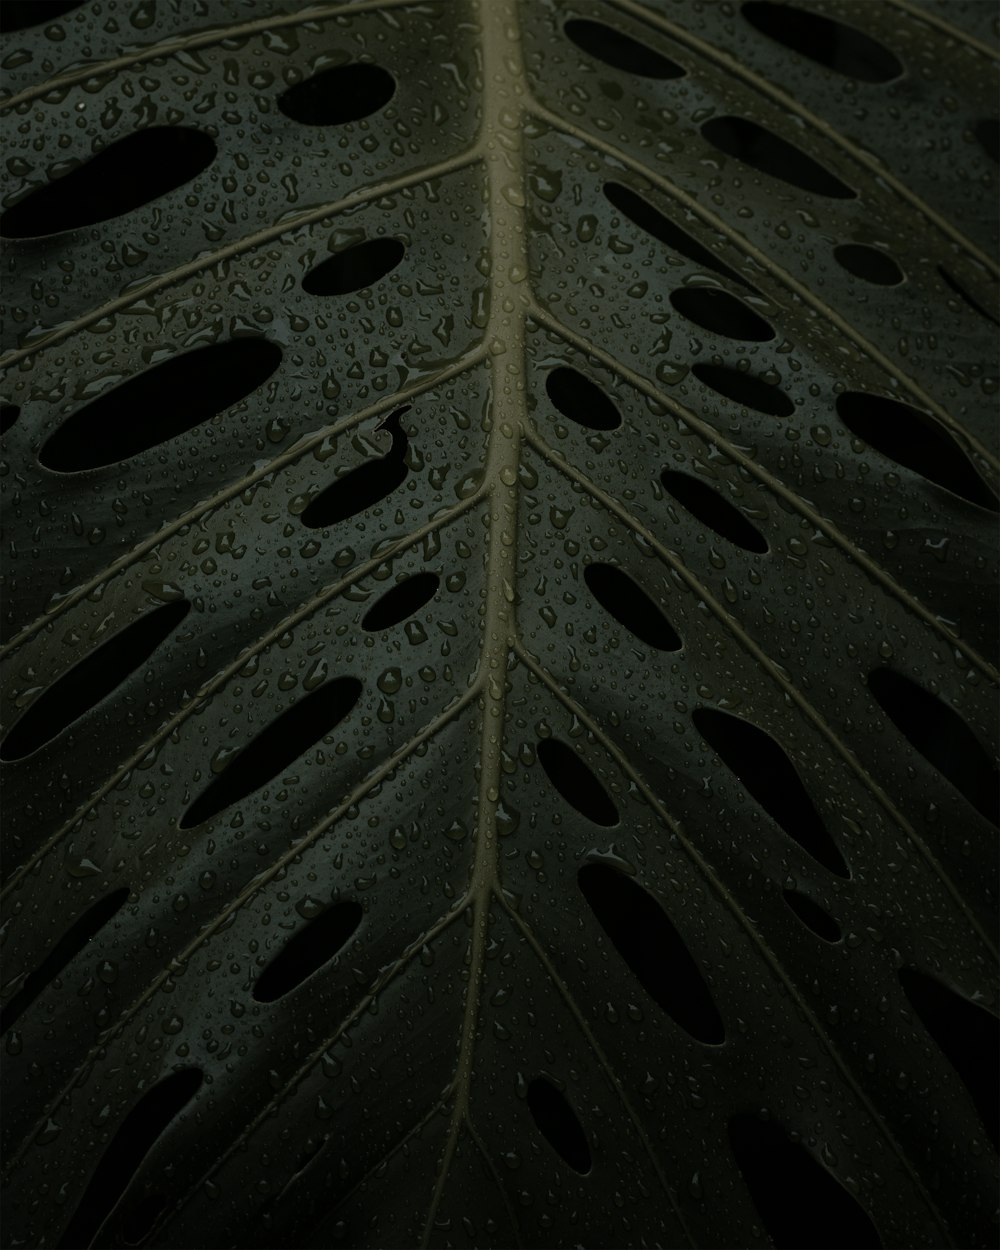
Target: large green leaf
<point x="500" y="623"/>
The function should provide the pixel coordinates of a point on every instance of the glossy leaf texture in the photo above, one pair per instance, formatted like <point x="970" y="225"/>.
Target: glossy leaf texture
<point x="542" y="458"/>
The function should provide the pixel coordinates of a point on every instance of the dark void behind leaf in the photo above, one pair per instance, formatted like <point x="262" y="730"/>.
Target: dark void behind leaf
<point x="401" y="601"/>
<point x="630" y="606"/>
<point x="745" y="389"/>
<point x="812" y="915"/>
<point x="642" y="214"/>
<point x="713" y="509"/>
<point x="644" y="937"/>
<point x="364" y="486"/>
<point x="575" y="782"/>
<point x="558" y="1124"/>
<point x="916" y="440"/>
<point x="721" y="313"/>
<point x="121" y="177"/>
<point x="769" y="776"/>
<point x="307" y="950"/>
<point x="748" y="142"/>
<point x="580" y="400"/>
<point x="942" y="738"/>
<point x="276" y="747"/>
<point x="354" y="268"/>
<point x="342" y="93"/>
<point x="801" y="1205"/>
<point x="93" y="679"/>
<point x="162" y="402"/>
<point x="22" y="14"/>
<point x="148" y="1120"/>
<point x="969" y="1036"/>
<point x="870" y="264"/>
<point x="619" y="50"/>
<point x="824" y="40"/>
<point x="65" y="950"/>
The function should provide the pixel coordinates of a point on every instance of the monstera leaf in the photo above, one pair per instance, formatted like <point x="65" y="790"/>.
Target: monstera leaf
<point x="499" y="601"/>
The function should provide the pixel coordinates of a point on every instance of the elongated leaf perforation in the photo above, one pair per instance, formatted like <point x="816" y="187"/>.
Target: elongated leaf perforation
<point x="339" y="94"/>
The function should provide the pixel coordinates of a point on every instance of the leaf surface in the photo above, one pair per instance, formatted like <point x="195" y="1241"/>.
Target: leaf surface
<point x="508" y="844"/>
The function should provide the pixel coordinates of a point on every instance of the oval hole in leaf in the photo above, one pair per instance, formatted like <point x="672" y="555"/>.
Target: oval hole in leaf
<point x="801" y="1205"/>
<point x="148" y="1120"/>
<point x="23" y="14"/>
<point x="721" y="313"/>
<point x="576" y="783"/>
<point x="91" y="680"/>
<point x="364" y="486"/>
<point x="915" y="440"/>
<point x="942" y="738"/>
<point x="580" y="400"/>
<point x="557" y="1123"/>
<point x="768" y="775"/>
<point x="401" y="601"/>
<point x="354" y="268"/>
<point x="137" y="1222"/>
<point x="642" y="214"/>
<point x="825" y="41"/>
<point x="286" y="738"/>
<point x="159" y="404"/>
<point x="121" y="177"/>
<point x="745" y="141"/>
<point x="968" y="1035"/>
<point x="745" y="389"/>
<point x="308" y="950"/>
<point x="631" y="607"/>
<point x="814" y="917"/>
<point x="712" y="509"/>
<point x="868" y="263"/>
<point x="9" y="414"/>
<point x="342" y="93"/>
<point x="65" y="950"/>
<point x="987" y="132"/>
<point x="643" y="935"/>
<point x="963" y="294"/>
<point x="618" y="50"/>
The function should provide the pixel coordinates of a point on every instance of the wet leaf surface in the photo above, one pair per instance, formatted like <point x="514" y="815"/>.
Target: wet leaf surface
<point x="499" y="745"/>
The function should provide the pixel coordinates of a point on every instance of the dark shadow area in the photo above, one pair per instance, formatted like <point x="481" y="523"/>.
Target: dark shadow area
<point x="801" y="1205"/>
<point x="61" y="955"/>
<point x="307" y="950"/>
<point x="340" y="94"/>
<point x="915" y="440"/>
<point x="364" y="486"/>
<point x="580" y="400"/>
<point x="941" y="736"/>
<point x="652" y="948"/>
<point x="121" y="177"/>
<point x="769" y="776"/>
<point x="557" y="1123"/>
<point x="619" y="50"/>
<point x="91" y="680"/>
<point x="745" y="141"/>
<point x="827" y="42"/>
<point x="159" y="404"/>
<point x="575" y="782"/>
<point x="275" y="748"/>
<point x="712" y="509"/>
<point x="965" y="295"/>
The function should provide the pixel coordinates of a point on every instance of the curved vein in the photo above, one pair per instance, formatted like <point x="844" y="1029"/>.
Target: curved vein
<point x="953" y="32"/>
<point x="777" y="675"/>
<point x="230" y="491"/>
<point x="374" y="779"/>
<point x="492" y="1169"/>
<point x="215" y="683"/>
<point x="773" y="484"/>
<point x="736" y="69"/>
<point x="602" y="1060"/>
<point x="763" y="260"/>
<point x="266" y="234"/>
<point x="200" y="39"/>
<point x="755" y="939"/>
